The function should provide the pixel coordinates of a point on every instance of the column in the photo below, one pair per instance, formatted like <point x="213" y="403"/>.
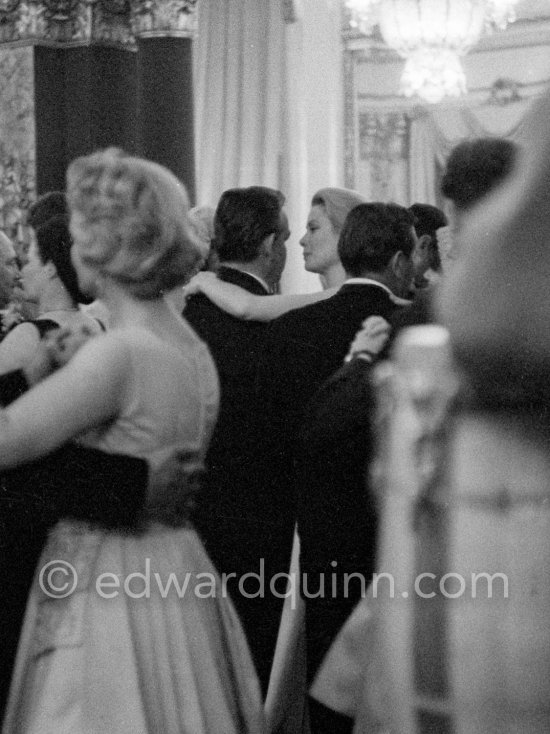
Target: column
<point x="164" y="32"/>
<point x="67" y="84"/>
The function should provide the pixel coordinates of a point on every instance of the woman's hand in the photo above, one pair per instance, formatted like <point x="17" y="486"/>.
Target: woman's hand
<point x="55" y="349"/>
<point x="371" y="339"/>
<point x="198" y="282"/>
<point x="173" y="488"/>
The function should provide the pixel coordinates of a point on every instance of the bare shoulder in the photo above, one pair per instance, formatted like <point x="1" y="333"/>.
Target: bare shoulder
<point x="18" y="346"/>
<point x="103" y="352"/>
<point x="26" y="332"/>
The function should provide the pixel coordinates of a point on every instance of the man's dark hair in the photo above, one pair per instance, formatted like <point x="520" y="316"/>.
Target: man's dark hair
<point x="244" y="218"/>
<point x="371" y="236"/>
<point x="49" y="205"/>
<point x="475" y="167"/>
<point x="53" y="242"/>
<point x="427" y="220"/>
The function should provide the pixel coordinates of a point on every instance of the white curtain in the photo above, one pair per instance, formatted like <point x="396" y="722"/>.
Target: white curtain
<point x="238" y="95"/>
<point x="269" y="108"/>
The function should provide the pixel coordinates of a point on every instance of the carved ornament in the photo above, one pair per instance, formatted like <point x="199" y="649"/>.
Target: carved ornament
<point x="175" y="18"/>
<point x="59" y="22"/>
<point x="8" y="6"/>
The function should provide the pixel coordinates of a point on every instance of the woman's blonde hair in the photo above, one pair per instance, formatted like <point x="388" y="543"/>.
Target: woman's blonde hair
<point x="129" y="222"/>
<point x="337" y="204"/>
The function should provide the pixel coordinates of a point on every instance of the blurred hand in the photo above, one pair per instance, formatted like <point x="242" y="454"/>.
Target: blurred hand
<point x="372" y="337"/>
<point x="173" y="488"/>
<point x="55" y="349"/>
<point x="64" y="343"/>
<point x="195" y="285"/>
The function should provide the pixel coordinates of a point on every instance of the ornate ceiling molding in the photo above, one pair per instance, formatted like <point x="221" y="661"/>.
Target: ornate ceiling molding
<point x="61" y="22"/>
<point x="80" y="22"/>
<point x="8" y="6"/>
<point x="174" y="18"/>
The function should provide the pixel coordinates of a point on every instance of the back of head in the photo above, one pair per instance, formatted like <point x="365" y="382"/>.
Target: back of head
<point x="337" y="204"/>
<point x="129" y="222"/>
<point x="244" y="218"/>
<point x="427" y="220"/>
<point x="53" y="242"/>
<point x="51" y="204"/>
<point x="475" y="167"/>
<point x="373" y="233"/>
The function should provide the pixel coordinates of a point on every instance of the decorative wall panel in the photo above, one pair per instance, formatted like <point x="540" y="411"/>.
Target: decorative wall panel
<point x="17" y="140"/>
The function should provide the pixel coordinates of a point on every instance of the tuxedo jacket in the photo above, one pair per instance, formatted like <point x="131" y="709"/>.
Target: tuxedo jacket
<point x="319" y="414"/>
<point x="303" y="349"/>
<point x="337" y="508"/>
<point x="236" y="347"/>
<point x="237" y="517"/>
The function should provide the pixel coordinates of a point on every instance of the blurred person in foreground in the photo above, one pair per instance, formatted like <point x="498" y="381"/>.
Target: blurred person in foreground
<point x="10" y="278"/>
<point x="148" y="388"/>
<point x="473" y="169"/>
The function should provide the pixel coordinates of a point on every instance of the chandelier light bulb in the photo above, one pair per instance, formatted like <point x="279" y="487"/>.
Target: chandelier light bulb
<point x="431" y="35"/>
<point x="433" y="74"/>
<point x="501" y="12"/>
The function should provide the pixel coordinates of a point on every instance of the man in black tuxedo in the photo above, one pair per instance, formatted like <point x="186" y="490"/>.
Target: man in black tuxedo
<point x="239" y="523"/>
<point x="311" y="454"/>
<point x="305" y="346"/>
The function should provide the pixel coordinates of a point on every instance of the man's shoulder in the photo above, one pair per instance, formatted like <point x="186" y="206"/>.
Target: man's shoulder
<point x="342" y="304"/>
<point x="304" y="316"/>
<point x="198" y="306"/>
<point x="242" y="279"/>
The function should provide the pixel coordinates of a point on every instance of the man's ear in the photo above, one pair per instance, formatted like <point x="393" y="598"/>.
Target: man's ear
<point x="398" y="263"/>
<point x="51" y="270"/>
<point x="424" y="242"/>
<point x="266" y="248"/>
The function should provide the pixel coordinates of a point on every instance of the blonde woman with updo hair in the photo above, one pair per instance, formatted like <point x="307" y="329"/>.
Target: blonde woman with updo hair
<point x="128" y="632"/>
<point x="329" y="209"/>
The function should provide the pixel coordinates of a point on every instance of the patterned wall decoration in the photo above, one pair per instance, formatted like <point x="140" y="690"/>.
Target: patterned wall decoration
<point x="58" y="23"/>
<point x="152" y="18"/>
<point x="85" y="21"/>
<point x="17" y="152"/>
<point x="384" y="147"/>
<point x="63" y="21"/>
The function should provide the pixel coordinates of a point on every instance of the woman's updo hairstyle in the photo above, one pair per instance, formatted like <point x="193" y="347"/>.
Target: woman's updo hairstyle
<point x="129" y="222"/>
<point x="337" y="204"/>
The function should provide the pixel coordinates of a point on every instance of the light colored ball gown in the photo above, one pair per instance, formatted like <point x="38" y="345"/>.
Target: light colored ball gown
<point x="147" y="659"/>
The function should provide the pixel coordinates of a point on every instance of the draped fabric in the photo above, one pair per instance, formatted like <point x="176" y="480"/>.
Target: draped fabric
<point x="402" y="153"/>
<point x="434" y="132"/>
<point x="239" y="89"/>
<point x="269" y="106"/>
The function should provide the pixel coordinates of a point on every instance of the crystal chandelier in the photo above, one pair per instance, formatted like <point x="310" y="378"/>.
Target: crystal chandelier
<point x="431" y="35"/>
